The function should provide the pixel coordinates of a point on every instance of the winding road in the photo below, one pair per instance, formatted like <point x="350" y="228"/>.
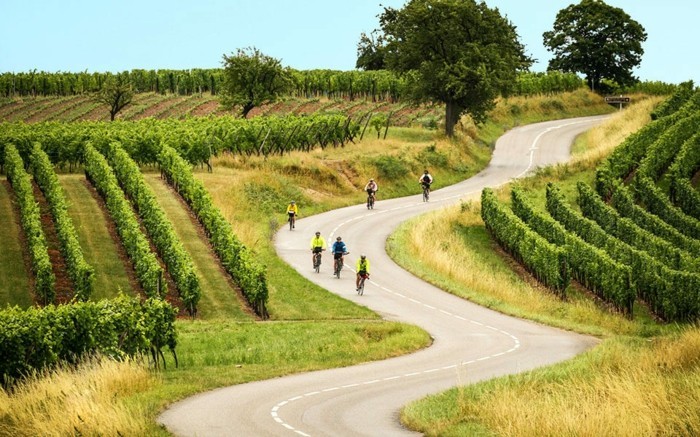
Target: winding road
<point x="471" y="343"/>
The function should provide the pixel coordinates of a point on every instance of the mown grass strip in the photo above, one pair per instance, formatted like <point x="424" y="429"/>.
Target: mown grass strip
<point x="99" y="248"/>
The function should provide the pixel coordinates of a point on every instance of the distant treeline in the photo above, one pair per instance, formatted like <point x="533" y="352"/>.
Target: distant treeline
<point x="379" y="85"/>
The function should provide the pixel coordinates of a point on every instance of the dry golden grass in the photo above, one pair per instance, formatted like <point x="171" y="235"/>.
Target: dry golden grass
<point x="622" y="389"/>
<point x="468" y="272"/>
<point x="86" y="401"/>
<point x="601" y="140"/>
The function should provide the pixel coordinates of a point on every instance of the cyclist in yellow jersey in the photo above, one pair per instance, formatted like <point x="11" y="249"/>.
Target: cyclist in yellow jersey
<point x="362" y="269"/>
<point x="292" y="212"/>
<point x="318" y="244"/>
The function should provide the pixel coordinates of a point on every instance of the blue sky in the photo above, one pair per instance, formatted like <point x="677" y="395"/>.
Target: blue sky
<point x="109" y="35"/>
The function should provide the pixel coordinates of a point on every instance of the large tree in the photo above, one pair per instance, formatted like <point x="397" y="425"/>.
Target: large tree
<point x="458" y="52"/>
<point x="251" y="79"/>
<point x="116" y="92"/>
<point x="598" y="40"/>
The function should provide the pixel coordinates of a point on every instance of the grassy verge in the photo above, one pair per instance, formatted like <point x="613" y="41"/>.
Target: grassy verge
<point x="637" y="382"/>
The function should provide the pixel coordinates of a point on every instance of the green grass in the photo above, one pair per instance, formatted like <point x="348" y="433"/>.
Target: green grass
<point x="226" y="353"/>
<point x="99" y="248"/>
<point x="14" y="279"/>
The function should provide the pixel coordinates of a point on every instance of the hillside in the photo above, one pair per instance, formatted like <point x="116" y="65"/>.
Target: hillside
<point x="163" y="106"/>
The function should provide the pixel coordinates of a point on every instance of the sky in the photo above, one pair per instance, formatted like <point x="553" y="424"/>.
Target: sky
<point x="111" y="35"/>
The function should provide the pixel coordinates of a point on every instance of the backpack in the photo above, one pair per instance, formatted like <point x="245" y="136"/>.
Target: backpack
<point x="426" y="179"/>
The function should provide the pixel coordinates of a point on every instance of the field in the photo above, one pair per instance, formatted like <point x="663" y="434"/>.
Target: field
<point x="323" y="179"/>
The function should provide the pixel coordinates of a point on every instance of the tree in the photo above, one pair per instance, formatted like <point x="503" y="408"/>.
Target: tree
<point x="600" y="41"/>
<point x="116" y="92"/>
<point x="371" y="52"/>
<point x="252" y="79"/>
<point x="458" y="52"/>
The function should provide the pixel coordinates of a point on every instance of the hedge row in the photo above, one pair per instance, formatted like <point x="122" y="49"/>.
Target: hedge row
<point x="159" y="228"/>
<point x="148" y="270"/>
<point x="35" y="338"/>
<point x="80" y="272"/>
<point x="31" y="225"/>
<point x="236" y="258"/>
<point x="544" y="260"/>
<point x="590" y="266"/>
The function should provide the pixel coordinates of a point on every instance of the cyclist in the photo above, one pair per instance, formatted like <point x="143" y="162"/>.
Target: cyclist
<point x="371" y="188"/>
<point x="292" y="212"/>
<point x="426" y="180"/>
<point x="318" y="244"/>
<point x="362" y="268"/>
<point x="339" y="249"/>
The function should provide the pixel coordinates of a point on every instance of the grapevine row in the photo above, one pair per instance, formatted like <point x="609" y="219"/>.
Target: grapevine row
<point x="37" y="338"/>
<point x="544" y="260"/>
<point x="80" y="272"/>
<point x="236" y="258"/>
<point x="672" y="294"/>
<point x="623" y="201"/>
<point x="148" y="271"/>
<point x="686" y="164"/>
<point x="31" y="225"/>
<point x="626" y="230"/>
<point x="590" y="266"/>
<point x="176" y="259"/>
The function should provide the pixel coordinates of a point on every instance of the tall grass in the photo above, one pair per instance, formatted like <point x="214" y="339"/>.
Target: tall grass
<point x="625" y="387"/>
<point x="87" y="400"/>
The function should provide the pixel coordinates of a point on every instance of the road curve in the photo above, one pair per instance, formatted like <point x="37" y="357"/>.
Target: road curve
<point x="471" y="343"/>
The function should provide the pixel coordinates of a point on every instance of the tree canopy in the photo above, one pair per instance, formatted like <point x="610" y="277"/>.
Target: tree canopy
<point x="598" y="40"/>
<point x="371" y="52"/>
<point x="116" y="92"/>
<point x="251" y="79"/>
<point x="458" y="52"/>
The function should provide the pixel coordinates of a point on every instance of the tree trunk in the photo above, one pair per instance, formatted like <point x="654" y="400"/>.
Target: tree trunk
<point x="452" y="113"/>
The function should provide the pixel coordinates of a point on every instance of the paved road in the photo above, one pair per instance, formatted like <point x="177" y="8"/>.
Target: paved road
<point x="471" y="343"/>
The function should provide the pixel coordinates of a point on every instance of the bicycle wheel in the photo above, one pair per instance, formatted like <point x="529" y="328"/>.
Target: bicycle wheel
<point x="317" y="263"/>
<point x="338" y="266"/>
<point x="371" y="202"/>
<point x="426" y="194"/>
<point x="361" y="288"/>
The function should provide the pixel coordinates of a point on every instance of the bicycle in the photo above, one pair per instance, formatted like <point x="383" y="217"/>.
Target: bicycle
<point x="291" y="220"/>
<point x="426" y="191"/>
<point x="370" y="201"/>
<point x="317" y="261"/>
<point x="361" y="285"/>
<point x="338" y="266"/>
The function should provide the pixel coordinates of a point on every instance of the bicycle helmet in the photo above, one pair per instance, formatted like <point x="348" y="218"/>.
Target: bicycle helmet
<point x="339" y="238"/>
<point x="318" y="233"/>
<point x="363" y="256"/>
<point x="293" y="202"/>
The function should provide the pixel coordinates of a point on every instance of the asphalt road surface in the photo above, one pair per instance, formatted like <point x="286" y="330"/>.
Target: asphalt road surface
<point x="471" y="343"/>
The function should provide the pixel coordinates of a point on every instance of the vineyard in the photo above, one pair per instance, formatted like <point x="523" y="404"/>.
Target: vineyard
<point x="635" y="235"/>
<point x="110" y="154"/>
